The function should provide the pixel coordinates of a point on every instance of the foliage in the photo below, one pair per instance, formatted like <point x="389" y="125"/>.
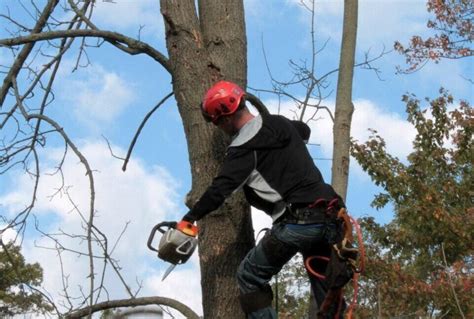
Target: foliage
<point x="292" y="290"/>
<point x="15" y="278"/>
<point x="422" y="261"/>
<point x="453" y="37"/>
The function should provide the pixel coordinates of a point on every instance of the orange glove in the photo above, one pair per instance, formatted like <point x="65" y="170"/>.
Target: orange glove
<point x="188" y="228"/>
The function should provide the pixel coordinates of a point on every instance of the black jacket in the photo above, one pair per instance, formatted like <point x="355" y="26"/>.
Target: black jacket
<point x="270" y="161"/>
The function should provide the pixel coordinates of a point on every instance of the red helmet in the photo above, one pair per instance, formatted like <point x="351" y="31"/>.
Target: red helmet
<point x="223" y="98"/>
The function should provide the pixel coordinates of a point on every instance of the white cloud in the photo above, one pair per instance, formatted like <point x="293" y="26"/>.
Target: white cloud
<point x="450" y="74"/>
<point x="7" y="235"/>
<point x="264" y="10"/>
<point x="396" y="131"/>
<point x="390" y="20"/>
<point x="141" y="197"/>
<point x="379" y="22"/>
<point x="129" y="16"/>
<point x="182" y="284"/>
<point x="99" y="98"/>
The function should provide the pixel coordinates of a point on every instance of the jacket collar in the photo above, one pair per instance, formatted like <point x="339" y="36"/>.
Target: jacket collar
<point x="247" y="132"/>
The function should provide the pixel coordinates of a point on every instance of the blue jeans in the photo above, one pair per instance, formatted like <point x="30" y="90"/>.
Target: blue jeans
<point x="278" y="246"/>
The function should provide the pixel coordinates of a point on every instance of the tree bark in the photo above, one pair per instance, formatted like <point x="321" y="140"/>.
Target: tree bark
<point x="201" y="51"/>
<point x="344" y="106"/>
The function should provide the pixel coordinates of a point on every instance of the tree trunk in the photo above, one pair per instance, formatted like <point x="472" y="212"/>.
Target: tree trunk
<point x="344" y="106"/>
<point x="344" y="110"/>
<point x="201" y="51"/>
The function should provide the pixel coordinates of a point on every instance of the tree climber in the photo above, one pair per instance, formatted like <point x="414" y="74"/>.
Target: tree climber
<point x="268" y="158"/>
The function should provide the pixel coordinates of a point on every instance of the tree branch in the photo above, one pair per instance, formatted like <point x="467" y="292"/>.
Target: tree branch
<point x="138" y="46"/>
<point x="25" y="51"/>
<point x="132" y="144"/>
<point x="89" y="173"/>
<point x="182" y="308"/>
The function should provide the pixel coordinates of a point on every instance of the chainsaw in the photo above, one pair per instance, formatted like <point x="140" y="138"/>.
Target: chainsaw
<point x="177" y="243"/>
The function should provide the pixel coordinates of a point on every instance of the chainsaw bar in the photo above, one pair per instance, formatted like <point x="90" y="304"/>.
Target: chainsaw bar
<point x="168" y="271"/>
<point x="177" y="243"/>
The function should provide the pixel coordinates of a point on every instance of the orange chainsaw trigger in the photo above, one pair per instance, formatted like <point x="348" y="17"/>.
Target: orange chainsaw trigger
<point x="187" y="228"/>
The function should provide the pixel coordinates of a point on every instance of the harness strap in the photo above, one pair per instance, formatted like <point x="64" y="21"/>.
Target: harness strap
<point x="310" y="214"/>
<point x="344" y="217"/>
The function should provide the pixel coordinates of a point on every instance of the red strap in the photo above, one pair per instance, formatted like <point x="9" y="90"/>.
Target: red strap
<point x="317" y="202"/>
<point x="307" y="264"/>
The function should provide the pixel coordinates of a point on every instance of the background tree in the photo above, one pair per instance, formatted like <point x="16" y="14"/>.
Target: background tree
<point x="18" y="282"/>
<point x="421" y="262"/>
<point x="292" y="291"/>
<point x="454" y="34"/>
<point x="344" y="106"/>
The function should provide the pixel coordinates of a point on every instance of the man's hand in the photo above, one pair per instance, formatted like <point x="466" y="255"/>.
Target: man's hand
<point x="187" y="228"/>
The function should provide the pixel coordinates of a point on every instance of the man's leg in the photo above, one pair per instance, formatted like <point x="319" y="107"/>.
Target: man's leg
<point x="254" y="273"/>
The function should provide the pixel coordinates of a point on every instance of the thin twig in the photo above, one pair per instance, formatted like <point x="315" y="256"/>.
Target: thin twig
<point x="25" y="51"/>
<point x="89" y="173"/>
<point x="142" y="125"/>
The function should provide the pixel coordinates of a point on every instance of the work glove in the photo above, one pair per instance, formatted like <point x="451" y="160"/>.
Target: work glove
<point x="187" y="227"/>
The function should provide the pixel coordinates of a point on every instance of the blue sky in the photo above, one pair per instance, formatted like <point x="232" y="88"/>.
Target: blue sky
<point x="110" y="97"/>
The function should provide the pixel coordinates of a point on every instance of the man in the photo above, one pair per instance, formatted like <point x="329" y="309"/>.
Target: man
<point x="269" y="160"/>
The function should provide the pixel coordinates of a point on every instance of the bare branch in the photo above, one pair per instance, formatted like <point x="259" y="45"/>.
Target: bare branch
<point x="25" y="51"/>
<point x="138" y="46"/>
<point x="132" y="144"/>
<point x="7" y="17"/>
<point x="182" y="308"/>
<point x="89" y="173"/>
<point x="89" y="23"/>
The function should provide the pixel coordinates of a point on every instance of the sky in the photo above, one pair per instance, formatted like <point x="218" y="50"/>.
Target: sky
<point x="107" y="100"/>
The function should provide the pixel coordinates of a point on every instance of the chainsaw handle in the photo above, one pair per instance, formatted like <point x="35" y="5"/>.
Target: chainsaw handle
<point x="158" y="227"/>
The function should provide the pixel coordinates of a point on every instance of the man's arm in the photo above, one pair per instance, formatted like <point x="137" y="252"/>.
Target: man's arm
<point x="237" y="167"/>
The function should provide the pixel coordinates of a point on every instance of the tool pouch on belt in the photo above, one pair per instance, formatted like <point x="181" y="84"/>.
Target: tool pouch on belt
<point x="342" y="261"/>
<point x="339" y="270"/>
